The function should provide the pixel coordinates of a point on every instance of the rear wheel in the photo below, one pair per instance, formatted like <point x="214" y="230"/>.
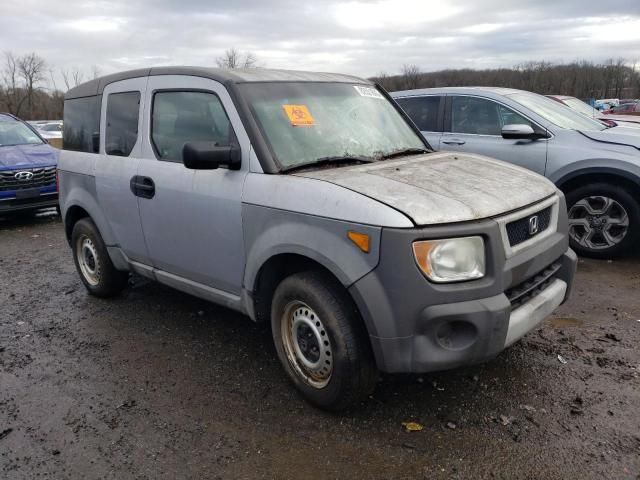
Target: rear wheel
<point x="321" y="341"/>
<point x="92" y="261"/>
<point x="604" y="220"/>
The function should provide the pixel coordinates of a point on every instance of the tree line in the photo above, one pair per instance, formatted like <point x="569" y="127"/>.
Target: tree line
<point x="29" y="89"/>
<point x="581" y="79"/>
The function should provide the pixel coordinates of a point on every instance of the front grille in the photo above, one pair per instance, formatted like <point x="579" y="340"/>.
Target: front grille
<point x="520" y="231"/>
<point x="41" y="178"/>
<point x="525" y="291"/>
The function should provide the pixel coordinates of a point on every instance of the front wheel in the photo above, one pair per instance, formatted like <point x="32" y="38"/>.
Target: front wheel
<point x="321" y="341"/>
<point x="92" y="261"/>
<point x="604" y="220"/>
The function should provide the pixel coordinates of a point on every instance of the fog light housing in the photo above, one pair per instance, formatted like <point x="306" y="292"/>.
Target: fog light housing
<point x="452" y="259"/>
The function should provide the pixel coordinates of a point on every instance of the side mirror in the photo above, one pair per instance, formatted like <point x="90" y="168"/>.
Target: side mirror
<point x="209" y="156"/>
<point x="520" y="132"/>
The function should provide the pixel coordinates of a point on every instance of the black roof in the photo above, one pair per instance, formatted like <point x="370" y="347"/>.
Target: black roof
<point x="222" y="75"/>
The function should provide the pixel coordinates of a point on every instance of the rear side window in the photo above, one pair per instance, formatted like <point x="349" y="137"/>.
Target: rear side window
<point x="121" y="132"/>
<point x="82" y="124"/>
<point x="182" y="117"/>
<point x="423" y="111"/>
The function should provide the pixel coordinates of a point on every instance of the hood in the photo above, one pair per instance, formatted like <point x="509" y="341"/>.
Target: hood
<point x="619" y="135"/>
<point x="623" y="120"/>
<point x="27" y="156"/>
<point x="443" y="187"/>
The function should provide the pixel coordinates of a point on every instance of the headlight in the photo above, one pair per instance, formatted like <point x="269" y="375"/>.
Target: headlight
<point x="451" y="260"/>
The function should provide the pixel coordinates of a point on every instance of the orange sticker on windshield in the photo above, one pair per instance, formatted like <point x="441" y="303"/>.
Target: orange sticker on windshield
<point x="299" y="115"/>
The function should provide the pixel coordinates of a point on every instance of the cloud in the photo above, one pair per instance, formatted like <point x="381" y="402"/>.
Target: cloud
<point x="362" y="37"/>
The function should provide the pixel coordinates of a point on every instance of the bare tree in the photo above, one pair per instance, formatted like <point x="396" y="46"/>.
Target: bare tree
<point x="383" y="79"/>
<point x="411" y="76"/>
<point x="32" y="69"/>
<point x="72" y="78"/>
<point x="95" y="72"/>
<point x="12" y="94"/>
<point x="233" y="58"/>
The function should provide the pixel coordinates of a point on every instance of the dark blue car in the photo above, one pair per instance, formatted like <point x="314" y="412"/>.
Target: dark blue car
<point x="27" y="167"/>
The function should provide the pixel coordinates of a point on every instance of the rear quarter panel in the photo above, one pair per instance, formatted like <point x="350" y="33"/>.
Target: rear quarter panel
<point x="77" y="185"/>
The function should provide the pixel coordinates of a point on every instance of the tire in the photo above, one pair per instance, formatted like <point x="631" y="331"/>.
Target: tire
<point x="604" y="220"/>
<point x="92" y="261"/>
<point x="315" y="298"/>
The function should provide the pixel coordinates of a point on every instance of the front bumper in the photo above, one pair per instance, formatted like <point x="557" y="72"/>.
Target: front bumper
<point x="44" y="200"/>
<point x="418" y="326"/>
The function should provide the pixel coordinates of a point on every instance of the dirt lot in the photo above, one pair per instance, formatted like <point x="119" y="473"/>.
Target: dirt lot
<point x="156" y="384"/>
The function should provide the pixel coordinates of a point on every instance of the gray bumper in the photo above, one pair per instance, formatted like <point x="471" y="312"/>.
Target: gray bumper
<point x="418" y="326"/>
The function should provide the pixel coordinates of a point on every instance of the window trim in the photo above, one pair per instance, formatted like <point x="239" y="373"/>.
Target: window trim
<point x="106" y="120"/>
<point x="440" y="114"/>
<point x="184" y="90"/>
<point x="449" y="109"/>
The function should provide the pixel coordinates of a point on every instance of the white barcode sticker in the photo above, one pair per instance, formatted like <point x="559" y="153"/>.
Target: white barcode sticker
<point x="368" y="92"/>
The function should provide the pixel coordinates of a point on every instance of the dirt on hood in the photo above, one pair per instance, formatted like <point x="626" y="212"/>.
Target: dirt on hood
<point x="443" y="187"/>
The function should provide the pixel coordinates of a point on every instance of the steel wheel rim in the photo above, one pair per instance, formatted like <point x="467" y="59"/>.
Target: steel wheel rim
<point x="598" y="222"/>
<point x="307" y="345"/>
<point x="88" y="260"/>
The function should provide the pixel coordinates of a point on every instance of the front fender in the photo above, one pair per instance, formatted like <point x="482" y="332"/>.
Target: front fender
<point x="269" y="232"/>
<point x="623" y="169"/>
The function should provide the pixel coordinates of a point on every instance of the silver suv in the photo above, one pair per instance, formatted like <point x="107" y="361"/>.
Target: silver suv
<point x="597" y="167"/>
<point x="308" y="200"/>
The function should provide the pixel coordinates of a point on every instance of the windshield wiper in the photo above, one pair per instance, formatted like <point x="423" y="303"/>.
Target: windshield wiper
<point x="404" y="152"/>
<point x="337" y="160"/>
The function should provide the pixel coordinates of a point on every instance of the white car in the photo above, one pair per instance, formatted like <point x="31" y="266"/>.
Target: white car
<point x="51" y="130"/>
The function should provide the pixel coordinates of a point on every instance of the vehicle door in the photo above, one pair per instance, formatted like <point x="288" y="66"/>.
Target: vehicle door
<point x="120" y="151"/>
<point x="427" y="113"/>
<point x="192" y="218"/>
<point x="474" y="125"/>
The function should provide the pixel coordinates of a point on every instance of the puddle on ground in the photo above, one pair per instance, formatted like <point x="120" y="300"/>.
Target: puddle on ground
<point x="564" y="322"/>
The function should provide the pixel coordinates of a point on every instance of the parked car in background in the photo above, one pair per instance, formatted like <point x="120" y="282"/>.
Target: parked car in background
<point x="631" y="108"/>
<point x="50" y="130"/>
<point x="606" y="103"/>
<point x="588" y="111"/>
<point x="597" y="167"/>
<point x="310" y="201"/>
<point x="27" y="167"/>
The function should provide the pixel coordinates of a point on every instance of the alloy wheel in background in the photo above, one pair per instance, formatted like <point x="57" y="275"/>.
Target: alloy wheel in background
<point x="598" y="222"/>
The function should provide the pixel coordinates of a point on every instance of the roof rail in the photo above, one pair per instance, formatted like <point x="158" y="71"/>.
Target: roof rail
<point x="7" y="114"/>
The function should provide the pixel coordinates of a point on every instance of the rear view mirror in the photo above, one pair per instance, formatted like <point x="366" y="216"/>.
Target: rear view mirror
<point x="209" y="156"/>
<point x="520" y="132"/>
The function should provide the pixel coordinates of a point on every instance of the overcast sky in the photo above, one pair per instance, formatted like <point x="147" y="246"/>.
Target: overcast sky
<point x="358" y="37"/>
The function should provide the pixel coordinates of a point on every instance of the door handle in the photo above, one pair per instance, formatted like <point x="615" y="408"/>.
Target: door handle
<point x="142" y="186"/>
<point x="454" y="141"/>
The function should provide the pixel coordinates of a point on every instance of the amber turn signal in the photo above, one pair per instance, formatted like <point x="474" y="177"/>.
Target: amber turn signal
<point x="360" y="239"/>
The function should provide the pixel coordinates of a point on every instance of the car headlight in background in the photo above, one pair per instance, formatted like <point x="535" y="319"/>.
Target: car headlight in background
<point x="452" y="259"/>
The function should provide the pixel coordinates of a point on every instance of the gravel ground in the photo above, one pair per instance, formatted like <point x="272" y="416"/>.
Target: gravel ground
<point x="156" y="384"/>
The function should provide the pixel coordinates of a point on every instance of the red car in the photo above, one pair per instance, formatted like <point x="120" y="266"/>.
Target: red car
<point x="631" y="108"/>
